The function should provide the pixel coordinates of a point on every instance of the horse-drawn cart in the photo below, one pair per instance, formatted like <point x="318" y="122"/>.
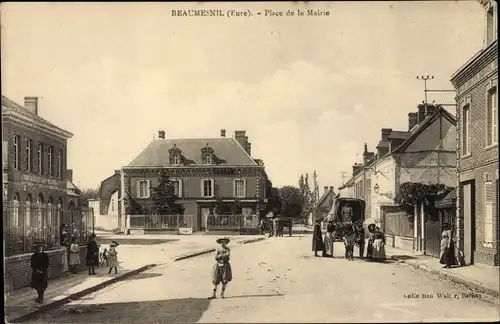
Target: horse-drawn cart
<point x="349" y="213"/>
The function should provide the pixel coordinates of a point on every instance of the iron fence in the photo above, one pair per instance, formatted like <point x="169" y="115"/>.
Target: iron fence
<point x="173" y="222"/>
<point x="24" y="224"/>
<point x="232" y="222"/>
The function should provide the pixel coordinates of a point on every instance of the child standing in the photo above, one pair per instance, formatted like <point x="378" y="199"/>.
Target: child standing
<point x="74" y="255"/>
<point x="113" y="257"/>
<point x="222" y="272"/>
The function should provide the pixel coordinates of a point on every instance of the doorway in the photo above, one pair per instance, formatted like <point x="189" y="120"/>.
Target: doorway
<point x="469" y="221"/>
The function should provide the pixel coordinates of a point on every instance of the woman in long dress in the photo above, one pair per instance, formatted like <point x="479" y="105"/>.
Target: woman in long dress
<point x="74" y="255"/>
<point x="369" y="246"/>
<point x="39" y="263"/>
<point x="378" y="245"/>
<point x="221" y="271"/>
<point x="329" y="239"/>
<point x="317" y="240"/>
<point x="447" y="253"/>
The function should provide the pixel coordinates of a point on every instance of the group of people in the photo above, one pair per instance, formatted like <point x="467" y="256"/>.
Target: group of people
<point x="39" y="262"/>
<point x="276" y="227"/>
<point x="325" y="244"/>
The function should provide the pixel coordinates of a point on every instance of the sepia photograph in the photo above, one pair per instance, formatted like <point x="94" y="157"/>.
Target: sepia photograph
<point x="250" y="162"/>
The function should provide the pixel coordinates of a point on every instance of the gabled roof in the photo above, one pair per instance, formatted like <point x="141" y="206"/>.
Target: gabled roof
<point x="72" y="189"/>
<point x="157" y="152"/>
<point x="423" y="125"/>
<point x="325" y="195"/>
<point x="383" y="144"/>
<point x="8" y="104"/>
<point x="348" y="184"/>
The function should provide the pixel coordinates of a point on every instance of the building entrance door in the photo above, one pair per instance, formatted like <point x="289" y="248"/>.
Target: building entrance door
<point x="469" y="222"/>
<point x="204" y="212"/>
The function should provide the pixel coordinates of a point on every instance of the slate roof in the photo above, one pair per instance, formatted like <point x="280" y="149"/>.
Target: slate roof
<point x="9" y="104"/>
<point x="157" y="152"/>
<point x="325" y="195"/>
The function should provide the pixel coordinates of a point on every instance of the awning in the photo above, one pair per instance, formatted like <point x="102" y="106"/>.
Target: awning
<point x="448" y="201"/>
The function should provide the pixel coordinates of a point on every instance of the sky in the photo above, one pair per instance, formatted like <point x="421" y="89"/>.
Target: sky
<point x="309" y="91"/>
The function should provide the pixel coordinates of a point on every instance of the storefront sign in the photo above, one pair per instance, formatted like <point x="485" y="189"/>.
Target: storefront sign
<point x="42" y="182"/>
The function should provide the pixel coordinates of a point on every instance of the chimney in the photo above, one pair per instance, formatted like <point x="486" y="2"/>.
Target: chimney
<point x="31" y="104"/>
<point x="249" y="149"/>
<point x="421" y="113"/>
<point x="161" y="134"/>
<point x="431" y="109"/>
<point x="117" y="172"/>
<point x="366" y="149"/>
<point x="385" y="133"/>
<point x="222" y="133"/>
<point x="355" y="168"/>
<point x="69" y="175"/>
<point x="326" y="189"/>
<point x="241" y="137"/>
<point x="331" y="188"/>
<point x="412" y="120"/>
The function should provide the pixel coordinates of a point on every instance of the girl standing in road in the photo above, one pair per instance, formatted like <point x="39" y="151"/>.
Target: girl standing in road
<point x="74" y="255"/>
<point x="113" y="257"/>
<point x="92" y="254"/>
<point x="39" y="263"/>
<point x="221" y="272"/>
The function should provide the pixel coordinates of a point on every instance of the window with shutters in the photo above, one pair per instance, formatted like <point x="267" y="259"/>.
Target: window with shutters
<point x="17" y="149"/>
<point x="143" y="189"/>
<point x="177" y="184"/>
<point x="29" y="155"/>
<point x="39" y="158"/>
<point x="488" y="212"/>
<point x="466" y="130"/>
<point x="50" y="158"/>
<point x="207" y="188"/>
<point x="492" y="117"/>
<point x="239" y="188"/>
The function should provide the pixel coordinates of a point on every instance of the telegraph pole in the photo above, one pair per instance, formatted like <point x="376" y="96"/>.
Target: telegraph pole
<point x="425" y="78"/>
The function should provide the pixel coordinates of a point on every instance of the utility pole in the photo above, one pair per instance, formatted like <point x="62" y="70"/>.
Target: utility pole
<point x="425" y="78"/>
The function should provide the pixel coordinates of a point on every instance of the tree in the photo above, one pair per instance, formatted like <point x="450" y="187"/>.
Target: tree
<point x="307" y="195"/>
<point x="89" y="193"/>
<point x="273" y="199"/>
<point x="134" y="208"/>
<point x="236" y="208"/>
<point x="164" y="197"/>
<point x="292" y="201"/>
<point x="220" y="207"/>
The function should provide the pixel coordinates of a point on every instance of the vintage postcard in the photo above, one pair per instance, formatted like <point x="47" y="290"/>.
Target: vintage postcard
<point x="250" y="162"/>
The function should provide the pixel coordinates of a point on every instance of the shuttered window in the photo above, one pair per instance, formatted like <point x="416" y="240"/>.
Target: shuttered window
<point x="466" y="130"/>
<point x="492" y="116"/>
<point x="239" y="188"/>
<point x="488" y="212"/>
<point x="143" y="189"/>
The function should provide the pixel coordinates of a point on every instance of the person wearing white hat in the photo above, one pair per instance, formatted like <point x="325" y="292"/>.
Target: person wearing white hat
<point x="221" y="271"/>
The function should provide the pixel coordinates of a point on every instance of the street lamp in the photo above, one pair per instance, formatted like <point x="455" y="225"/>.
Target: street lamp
<point x="376" y="188"/>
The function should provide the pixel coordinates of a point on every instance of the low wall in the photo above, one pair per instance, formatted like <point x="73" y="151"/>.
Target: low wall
<point x="404" y="243"/>
<point x="18" y="271"/>
<point x="106" y="222"/>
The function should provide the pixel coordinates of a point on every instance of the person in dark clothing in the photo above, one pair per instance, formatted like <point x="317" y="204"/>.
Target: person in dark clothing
<point x="39" y="263"/>
<point x="64" y="234"/>
<point x="447" y="253"/>
<point x="317" y="243"/>
<point x="92" y="254"/>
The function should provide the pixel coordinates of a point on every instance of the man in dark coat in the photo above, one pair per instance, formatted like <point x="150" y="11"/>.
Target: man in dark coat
<point x="39" y="263"/>
<point x="92" y="254"/>
<point x="317" y="243"/>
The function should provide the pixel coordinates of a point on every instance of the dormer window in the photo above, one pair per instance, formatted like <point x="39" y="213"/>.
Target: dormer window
<point x="176" y="160"/>
<point x="207" y="159"/>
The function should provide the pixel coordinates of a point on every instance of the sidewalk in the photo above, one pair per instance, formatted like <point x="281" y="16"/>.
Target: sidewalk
<point x="483" y="278"/>
<point x="133" y="259"/>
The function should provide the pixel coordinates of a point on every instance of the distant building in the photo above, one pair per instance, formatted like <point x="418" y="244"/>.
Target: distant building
<point x="325" y="202"/>
<point x="477" y="149"/>
<point x="107" y="208"/>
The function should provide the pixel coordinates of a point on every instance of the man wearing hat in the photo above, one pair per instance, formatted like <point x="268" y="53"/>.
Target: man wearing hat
<point x="221" y="271"/>
<point x="39" y="263"/>
<point x="92" y="254"/>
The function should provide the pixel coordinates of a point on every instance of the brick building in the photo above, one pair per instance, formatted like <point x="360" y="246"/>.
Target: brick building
<point x="35" y="183"/>
<point x="204" y="171"/>
<point x="476" y="83"/>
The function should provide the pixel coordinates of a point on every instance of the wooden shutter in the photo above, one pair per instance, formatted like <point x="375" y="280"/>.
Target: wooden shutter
<point x="494" y="121"/>
<point x="488" y="212"/>
<point x="138" y="188"/>
<point x="180" y="187"/>
<point x="212" y="183"/>
<point x="148" y="188"/>
<point x="202" y="188"/>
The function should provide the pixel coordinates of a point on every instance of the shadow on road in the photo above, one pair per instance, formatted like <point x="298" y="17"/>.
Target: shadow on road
<point x="126" y="241"/>
<point x="185" y="310"/>
<point x="403" y="257"/>
<point x="144" y="275"/>
<point x="254" y="296"/>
